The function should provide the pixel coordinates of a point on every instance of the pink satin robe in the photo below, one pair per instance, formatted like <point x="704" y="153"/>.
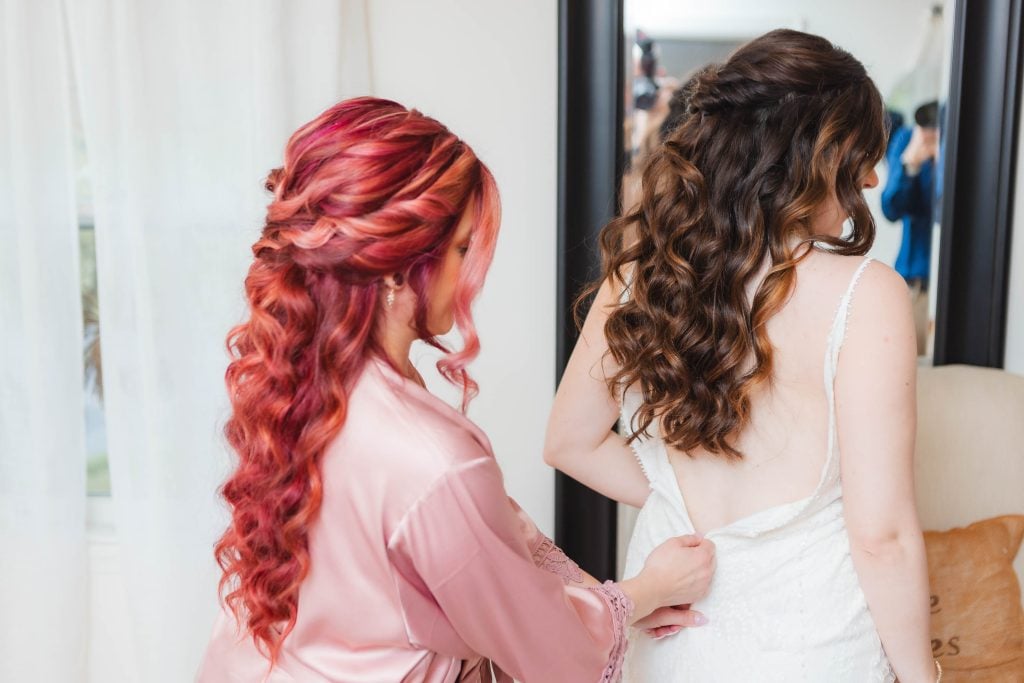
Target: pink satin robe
<point x="423" y="569"/>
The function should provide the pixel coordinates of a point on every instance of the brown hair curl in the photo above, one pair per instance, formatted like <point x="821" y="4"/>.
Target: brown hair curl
<point x="766" y="140"/>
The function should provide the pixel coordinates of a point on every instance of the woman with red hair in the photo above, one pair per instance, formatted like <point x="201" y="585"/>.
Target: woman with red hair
<point x="371" y="536"/>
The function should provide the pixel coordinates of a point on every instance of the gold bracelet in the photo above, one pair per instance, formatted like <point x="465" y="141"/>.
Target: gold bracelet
<point x="938" y="669"/>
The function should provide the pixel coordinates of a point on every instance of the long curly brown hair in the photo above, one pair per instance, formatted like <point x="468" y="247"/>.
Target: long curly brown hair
<point x="768" y="137"/>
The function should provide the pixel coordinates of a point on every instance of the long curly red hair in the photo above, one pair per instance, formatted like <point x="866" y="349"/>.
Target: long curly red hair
<point x="368" y="188"/>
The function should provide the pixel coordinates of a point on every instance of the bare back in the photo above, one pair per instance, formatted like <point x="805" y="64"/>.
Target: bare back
<point x="785" y="580"/>
<point x="785" y="443"/>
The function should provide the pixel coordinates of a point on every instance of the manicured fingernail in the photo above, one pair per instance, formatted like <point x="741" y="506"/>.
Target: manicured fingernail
<point x="700" y="620"/>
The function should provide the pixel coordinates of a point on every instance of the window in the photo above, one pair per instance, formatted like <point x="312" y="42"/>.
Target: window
<point x="97" y="470"/>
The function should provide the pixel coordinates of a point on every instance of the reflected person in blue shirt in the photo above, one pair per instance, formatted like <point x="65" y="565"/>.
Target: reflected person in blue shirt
<point x="908" y="196"/>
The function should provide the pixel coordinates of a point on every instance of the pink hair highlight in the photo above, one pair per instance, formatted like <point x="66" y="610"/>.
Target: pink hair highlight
<point x="471" y="280"/>
<point x="368" y="188"/>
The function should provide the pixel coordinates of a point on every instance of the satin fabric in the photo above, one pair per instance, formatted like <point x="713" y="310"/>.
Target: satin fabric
<point x="422" y="569"/>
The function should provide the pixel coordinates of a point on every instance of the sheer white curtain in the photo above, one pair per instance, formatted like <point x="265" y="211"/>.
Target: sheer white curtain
<point x="186" y="106"/>
<point x="43" y="592"/>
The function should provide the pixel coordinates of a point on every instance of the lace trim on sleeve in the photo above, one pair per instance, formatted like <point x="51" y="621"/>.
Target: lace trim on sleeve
<point x="550" y="557"/>
<point x="621" y="608"/>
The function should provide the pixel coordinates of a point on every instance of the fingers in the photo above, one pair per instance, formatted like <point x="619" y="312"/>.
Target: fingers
<point x="663" y="616"/>
<point x="690" y="540"/>
<point x="696" y="541"/>
<point x="710" y="549"/>
<point x="658" y="633"/>
<point x="684" y="619"/>
<point x="671" y="616"/>
<point x="706" y="550"/>
<point x="689" y="618"/>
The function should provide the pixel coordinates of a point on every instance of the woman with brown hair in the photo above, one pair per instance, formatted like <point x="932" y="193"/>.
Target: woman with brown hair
<point x="763" y="403"/>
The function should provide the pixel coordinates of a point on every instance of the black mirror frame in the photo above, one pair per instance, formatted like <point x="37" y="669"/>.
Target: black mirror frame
<point x="979" y="169"/>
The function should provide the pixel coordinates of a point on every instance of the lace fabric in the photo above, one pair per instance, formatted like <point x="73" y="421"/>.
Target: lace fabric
<point x="621" y="608"/>
<point x="550" y="557"/>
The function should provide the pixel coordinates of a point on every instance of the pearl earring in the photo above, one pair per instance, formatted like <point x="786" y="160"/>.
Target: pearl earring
<point x="390" y="298"/>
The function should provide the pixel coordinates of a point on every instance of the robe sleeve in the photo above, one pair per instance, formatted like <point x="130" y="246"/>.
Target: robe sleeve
<point x="545" y="553"/>
<point x="464" y="542"/>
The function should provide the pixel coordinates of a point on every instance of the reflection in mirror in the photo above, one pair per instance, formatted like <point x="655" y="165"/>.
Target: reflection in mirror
<point x="905" y="49"/>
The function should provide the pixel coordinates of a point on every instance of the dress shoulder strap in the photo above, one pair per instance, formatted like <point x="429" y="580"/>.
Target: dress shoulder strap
<point x="842" y="315"/>
<point x="645" y="447"/>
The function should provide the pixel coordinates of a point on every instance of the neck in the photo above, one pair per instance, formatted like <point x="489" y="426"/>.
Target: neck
<point x="397" y="342"/>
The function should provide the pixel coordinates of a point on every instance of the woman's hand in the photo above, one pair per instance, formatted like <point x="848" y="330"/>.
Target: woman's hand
<point x="666" y="621"/>
<point x="923" y="146"/>
<point x="677" y="572"/>
<point x="682" y="568"/>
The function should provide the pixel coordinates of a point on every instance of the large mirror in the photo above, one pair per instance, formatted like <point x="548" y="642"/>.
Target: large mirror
<point x="908" y="58"/>
<point x="950" y="76"/>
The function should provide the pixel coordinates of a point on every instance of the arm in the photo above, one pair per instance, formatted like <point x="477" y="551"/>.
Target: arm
<point x="899" y="193"/>
<point x="580" y="440"/>
<point x="876" y="414"/>
<point x="548" y="556"/>
<point x="462" y="545"/>
<point x="902" y="192"/>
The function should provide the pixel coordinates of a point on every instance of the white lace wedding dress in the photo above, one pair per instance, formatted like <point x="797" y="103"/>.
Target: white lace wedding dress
<point x="785" y="603"/>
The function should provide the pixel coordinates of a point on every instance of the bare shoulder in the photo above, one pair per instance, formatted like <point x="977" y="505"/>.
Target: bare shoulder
<point x="878" y="287"/>
<point x="828" y="265"/>
<point x="880" y="318"/>
<point x="881" y="295"/>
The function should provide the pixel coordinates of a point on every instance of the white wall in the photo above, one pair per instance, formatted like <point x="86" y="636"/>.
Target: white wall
<point x="488" y="69"/>
<point x="1014" y="356"/>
